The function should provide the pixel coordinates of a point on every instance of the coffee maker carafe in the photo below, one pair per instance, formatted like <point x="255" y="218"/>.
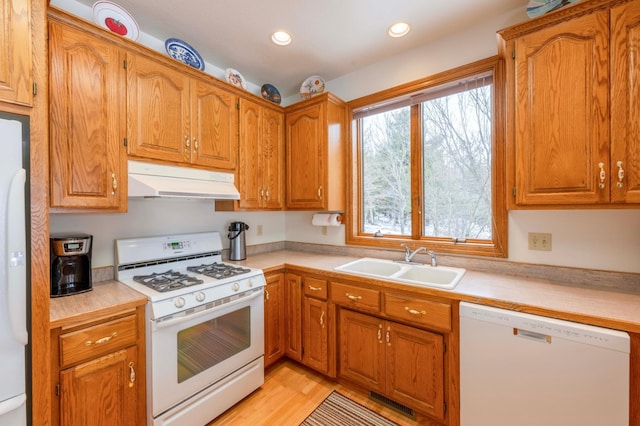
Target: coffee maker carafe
<point x="237" y="245"/>
<point x="70" y="261"/>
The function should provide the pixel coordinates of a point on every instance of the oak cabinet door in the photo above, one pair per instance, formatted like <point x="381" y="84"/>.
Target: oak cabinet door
<point x="273" y="319"/>
<point x="101" y="392"/>
<point x="88" y="158"/>
<point x="625" y="110"/>
<point x="316" y="334"/>
<point x="16" y="73"/>
<point x="214" y="126"/>
<point x="415" y="368"/>
<point x="272" y="156"/>
<point x="158" y="102"/>
<point x="250" y="170"/>
<point x="293" y="316"/>
<point x="562" y="112"/>
<point x="305" y="138"/>
<point x="362" y="349"/>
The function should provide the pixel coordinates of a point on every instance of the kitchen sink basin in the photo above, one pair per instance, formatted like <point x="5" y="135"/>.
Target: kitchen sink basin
<point x="412" y="274"/>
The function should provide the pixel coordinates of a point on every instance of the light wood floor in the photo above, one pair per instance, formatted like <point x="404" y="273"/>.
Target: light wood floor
<point x="289" y="394"/>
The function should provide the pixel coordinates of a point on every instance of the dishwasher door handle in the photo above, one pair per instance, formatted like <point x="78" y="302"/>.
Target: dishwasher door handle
<point x="532" y="335"/>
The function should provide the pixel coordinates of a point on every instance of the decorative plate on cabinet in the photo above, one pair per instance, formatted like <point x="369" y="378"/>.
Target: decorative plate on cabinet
<point x="235" y="78"/>
<point x="116" y="19"/>
<point x="312" y="86"/>
<point x="537" y="8"/>
<point x="270" y="93"/>
<point x="183" y="52"/>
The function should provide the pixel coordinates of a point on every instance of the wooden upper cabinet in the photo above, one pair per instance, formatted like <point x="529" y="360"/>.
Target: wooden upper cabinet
<point x="158" y="106"/>
<point x="561" y="112"/>
<point x="315" y="147"/>
<point x="16" y="74"/>
<point x="214" y="126"/>
<point x="572" y="126"/>
<point x="625" y="110"/>
<point x="87" y="124"/>
<point x="178" y="118"/>
<point x="261" y="167"/>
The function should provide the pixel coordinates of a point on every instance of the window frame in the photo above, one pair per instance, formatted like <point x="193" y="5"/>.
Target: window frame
<point x="497" y="247"/>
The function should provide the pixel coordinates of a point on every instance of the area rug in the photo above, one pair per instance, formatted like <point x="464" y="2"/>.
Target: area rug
<point x="337" y="409"/>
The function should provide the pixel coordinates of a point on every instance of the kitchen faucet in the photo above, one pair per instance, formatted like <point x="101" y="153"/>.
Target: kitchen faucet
<point x="408" y="254"/>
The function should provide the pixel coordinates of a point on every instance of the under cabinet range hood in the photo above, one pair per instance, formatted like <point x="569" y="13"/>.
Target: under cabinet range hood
<point x="158" y="180"/>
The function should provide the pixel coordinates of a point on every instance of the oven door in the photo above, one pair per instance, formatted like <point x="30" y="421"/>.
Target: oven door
<point x="189" y="353"/>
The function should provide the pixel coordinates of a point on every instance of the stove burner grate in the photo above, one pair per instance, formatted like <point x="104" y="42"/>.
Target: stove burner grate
<point x="167" y="281"/>
<point x="218" y="270"/>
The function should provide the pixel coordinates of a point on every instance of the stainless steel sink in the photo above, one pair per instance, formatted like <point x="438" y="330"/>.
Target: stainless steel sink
<point x="412" y="274"/>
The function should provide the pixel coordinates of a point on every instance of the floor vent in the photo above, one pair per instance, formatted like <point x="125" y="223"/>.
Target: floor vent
<point x="402" y="409"/>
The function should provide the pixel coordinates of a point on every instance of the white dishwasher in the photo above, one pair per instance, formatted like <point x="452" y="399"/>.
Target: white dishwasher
<point x="519" y="369"/>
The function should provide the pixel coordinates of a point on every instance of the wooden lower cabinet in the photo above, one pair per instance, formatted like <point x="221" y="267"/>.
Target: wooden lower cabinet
<point x="101" y="391"/>
<point x="98" y="372"/>
<point x="274" y="319"/>
<point x="404" y="363"/>
<point x="293" y="315"/>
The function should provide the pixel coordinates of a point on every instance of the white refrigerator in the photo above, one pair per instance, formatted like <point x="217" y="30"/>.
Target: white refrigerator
<point x="14" y="257"/>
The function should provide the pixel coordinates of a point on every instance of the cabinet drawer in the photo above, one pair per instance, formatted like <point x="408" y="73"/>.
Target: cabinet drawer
<point x="420" y="311"/>
<point x="355" y="297"/>
<point x="315" y="287"/>
<point x="97" y="340"/>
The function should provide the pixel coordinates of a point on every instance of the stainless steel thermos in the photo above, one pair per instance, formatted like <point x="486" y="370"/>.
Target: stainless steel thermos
<point x="237" y="244"/>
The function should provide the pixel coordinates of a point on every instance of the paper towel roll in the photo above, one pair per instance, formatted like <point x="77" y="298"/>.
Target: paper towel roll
<point x="326" y="219"/>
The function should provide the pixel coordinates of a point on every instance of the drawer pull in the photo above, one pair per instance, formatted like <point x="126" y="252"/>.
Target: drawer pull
<point x="100" y="341"/>
<point x="132" y="374"/>
<point x="414" y="311"/>
<point x="353" y="297"/>
<point x="322" y="320"/>
<point x="312" y="288"/>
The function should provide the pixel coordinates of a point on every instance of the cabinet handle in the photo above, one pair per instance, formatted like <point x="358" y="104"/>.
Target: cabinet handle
<point x="262" y="193"/>
<point x="320" y="192"/>
<point x="187" y="143"/>
<point x="266" y="294"/>
<point x="114" y="183"/>
<point x="132" y="375"/>
<point x="267" y="192"/>
<point x="388" y="338"/>
<point x="603" y="175"/>
<point x="312" y="288"/>
<point x="101" y="340"/>
<point x="380" y="333"/>
<point x="620" y="174"/>
<point x="414" y="311"/>
<point x="322" y="319"/>
<point x="353" y="297"/>
<point x="195" y="146"/>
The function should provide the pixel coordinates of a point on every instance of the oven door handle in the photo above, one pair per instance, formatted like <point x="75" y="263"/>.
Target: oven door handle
<point x="168" y="323"/>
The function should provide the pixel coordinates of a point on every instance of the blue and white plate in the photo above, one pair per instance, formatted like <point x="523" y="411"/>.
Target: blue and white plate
<point x="270" y="93"/>
<point x="537" y="8"/>
<point x="184" y="53"/>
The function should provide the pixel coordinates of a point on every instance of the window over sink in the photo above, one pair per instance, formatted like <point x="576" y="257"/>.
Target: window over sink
<point x="428" y="164"/>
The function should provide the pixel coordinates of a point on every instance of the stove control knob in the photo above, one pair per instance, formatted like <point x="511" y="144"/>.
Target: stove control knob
<point x="235" y="286"/>
<point x="200" y="296"/>
<point x="179" y="302"/>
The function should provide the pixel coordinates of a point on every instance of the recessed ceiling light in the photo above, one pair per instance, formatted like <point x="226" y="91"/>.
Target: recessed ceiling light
<point x="281" y="38"/>
<point x="399" y="29"/>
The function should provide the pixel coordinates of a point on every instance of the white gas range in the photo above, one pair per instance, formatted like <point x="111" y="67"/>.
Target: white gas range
<point x="205" y="319"/>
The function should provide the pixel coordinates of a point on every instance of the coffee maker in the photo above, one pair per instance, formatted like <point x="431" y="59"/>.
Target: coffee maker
<point x="70" y="259"/>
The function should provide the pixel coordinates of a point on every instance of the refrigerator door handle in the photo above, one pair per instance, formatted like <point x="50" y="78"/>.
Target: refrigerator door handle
<point x="16" y="258"/>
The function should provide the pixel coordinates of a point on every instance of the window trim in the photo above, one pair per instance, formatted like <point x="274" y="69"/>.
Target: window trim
<point x="498" y="247"/>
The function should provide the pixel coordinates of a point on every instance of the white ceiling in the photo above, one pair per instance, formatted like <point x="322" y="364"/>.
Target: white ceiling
<point x="331" y="38"/>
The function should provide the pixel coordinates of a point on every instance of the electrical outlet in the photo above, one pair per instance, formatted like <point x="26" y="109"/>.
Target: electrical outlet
<point x="259" y="230"/>
<point x="539" y="241"/>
